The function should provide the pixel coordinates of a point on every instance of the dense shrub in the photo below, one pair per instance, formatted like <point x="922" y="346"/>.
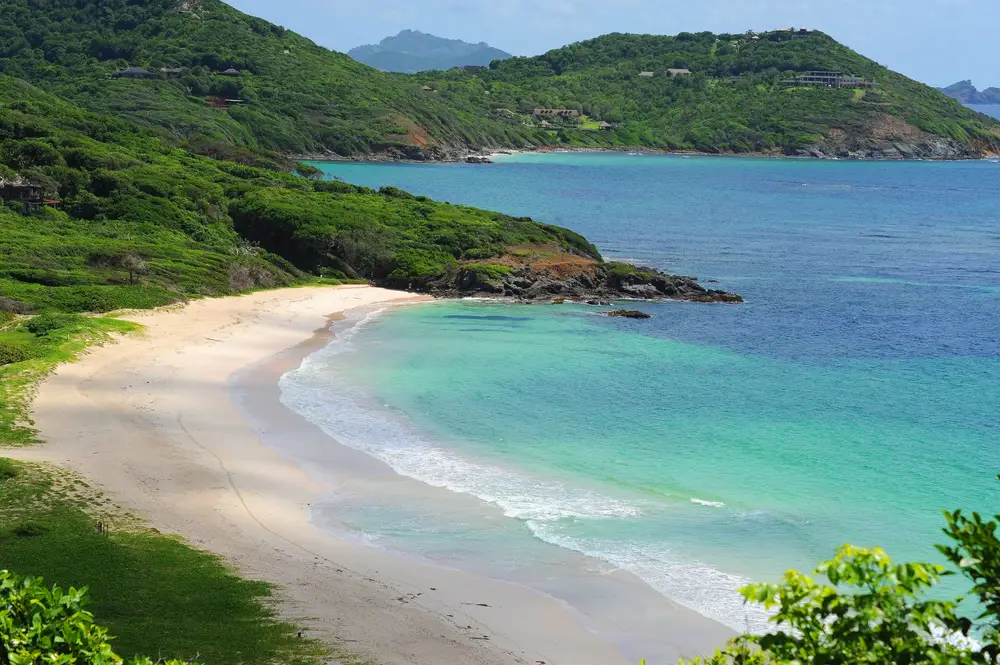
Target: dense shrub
<point x="43" y="324"/>
<point x="11" y="353"/>
<point x="39" y="624"/>
<point x="864" y="609"/>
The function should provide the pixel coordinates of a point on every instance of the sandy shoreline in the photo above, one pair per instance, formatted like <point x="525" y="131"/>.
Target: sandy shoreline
<point x="153" y="420"/>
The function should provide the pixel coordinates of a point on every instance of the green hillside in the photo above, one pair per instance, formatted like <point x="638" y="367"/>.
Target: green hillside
<point x="299" y="97"/>
<point x="141" y="223"/>
<point x="733" y="100"/>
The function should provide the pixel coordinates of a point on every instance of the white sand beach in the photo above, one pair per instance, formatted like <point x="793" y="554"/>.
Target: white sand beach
<point x="152" y="421"/>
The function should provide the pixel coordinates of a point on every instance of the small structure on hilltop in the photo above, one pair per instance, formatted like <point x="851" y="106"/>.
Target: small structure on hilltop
<point x="25" y="192"/>
<point x="647" y="74"/>
<point x="556" y="113"/>
<point x="824" y="79"/>
<point x="606" y="125"/>
<point x="679" y="72"/>
<point x="473" y="68"/>
<point x="232" y="71"/>
<point x="134" y="73"/>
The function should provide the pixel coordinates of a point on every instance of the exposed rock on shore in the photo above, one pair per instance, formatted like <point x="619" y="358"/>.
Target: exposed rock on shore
<point x="890" y="138"/>
<point x="539" y="275"/>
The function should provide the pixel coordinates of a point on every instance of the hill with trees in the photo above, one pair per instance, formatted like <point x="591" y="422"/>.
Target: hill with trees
<point x="288" y="96"/>
<point x="136" y="222"/>
<point x="412" y="51"/>
<point x="293" y="97"/>
<point x="142" y="223"/>
<point x="744" y="93"/>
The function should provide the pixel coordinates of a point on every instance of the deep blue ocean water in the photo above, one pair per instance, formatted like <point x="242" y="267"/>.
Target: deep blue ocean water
<point x="852" y="398"/>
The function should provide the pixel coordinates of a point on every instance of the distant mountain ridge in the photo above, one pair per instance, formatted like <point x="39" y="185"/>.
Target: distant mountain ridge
<point x="413" y="51"/>
<point x="967" y="93"/>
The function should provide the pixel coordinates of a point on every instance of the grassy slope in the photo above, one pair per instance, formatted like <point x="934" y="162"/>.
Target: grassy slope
<point x="157" y="595"/>
<point x="732" y="102"/>
<point x="307" y="99"/>
<point x="37" y="354"/>
<point x="195" y="222"/>
<point x="311" y="99"/>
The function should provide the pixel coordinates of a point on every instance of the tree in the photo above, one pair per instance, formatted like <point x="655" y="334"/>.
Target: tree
<point x="134" y="266"/>
<point x="976" y="554"/>
<point x="873" y="611"/>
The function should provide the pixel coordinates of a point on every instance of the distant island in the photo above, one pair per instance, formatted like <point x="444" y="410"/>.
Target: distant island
<point x="412" y="51"/>
<point x="967" y="93"/>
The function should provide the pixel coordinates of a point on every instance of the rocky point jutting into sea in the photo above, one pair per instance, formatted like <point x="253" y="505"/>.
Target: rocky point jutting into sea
<point x="577" y="278"/>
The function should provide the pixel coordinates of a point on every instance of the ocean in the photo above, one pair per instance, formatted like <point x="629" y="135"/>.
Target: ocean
<point x="988" y="109"/>
<point x="850" y="400"/>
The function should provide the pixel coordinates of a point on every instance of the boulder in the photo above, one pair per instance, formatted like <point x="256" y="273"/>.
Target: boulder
<point x="628" y="314"/>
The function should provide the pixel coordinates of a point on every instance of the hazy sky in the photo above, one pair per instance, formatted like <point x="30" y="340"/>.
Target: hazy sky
<point x="936" y="41"/>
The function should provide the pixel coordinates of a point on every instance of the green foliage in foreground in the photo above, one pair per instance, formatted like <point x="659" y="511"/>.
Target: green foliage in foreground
<point x="870" y="610"/>
<point x="158" y="596"/>
<point x="38" y="624"/>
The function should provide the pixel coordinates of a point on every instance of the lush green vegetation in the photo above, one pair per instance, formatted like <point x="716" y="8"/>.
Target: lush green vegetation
<point x="158" y="596"/>
<point x="733" y="101"/>
<point x="300" y="98"/>
<point x="142" y="223"/>
<point x="869" y="610"/>
<point x="391" y="236"/>
<point x="63" y="632"/>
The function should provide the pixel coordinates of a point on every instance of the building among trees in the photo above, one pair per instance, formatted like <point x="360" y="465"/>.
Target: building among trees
<point x="556" y="113"/>
<point x="824" y="79"/>
<point x="135" y="73"/>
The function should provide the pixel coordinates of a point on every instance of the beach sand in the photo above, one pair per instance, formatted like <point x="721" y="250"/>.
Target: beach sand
<point x="153" y="421"/>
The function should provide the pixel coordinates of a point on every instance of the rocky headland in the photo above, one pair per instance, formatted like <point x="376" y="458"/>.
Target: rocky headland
<point x="541" y="274"/>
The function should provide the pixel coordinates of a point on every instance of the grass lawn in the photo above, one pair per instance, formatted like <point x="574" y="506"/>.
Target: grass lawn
<point x="158" y="596"/>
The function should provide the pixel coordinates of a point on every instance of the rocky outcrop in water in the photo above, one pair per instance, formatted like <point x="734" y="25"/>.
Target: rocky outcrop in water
<point x="578" y="280"/>
<point x="628" y="314"/>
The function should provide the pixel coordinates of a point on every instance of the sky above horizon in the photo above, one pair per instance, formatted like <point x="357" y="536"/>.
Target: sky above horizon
<point x="938" y="42"/>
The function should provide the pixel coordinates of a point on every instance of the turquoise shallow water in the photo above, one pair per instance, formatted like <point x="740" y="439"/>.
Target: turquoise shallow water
<point x="850" y="400"/>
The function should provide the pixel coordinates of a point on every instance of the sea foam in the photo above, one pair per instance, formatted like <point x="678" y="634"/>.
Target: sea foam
<point x="351" y="416"/>
<point x="710" y="504"/>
